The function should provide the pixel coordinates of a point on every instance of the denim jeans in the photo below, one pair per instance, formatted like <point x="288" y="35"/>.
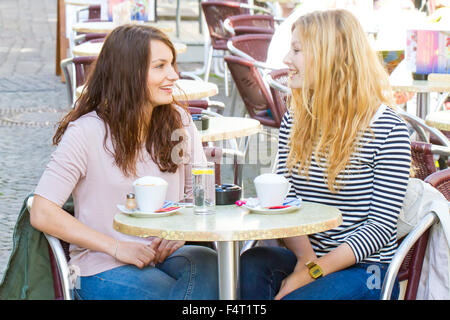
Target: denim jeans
<point x="189" y="273"/>
<point x="264" y="268"/>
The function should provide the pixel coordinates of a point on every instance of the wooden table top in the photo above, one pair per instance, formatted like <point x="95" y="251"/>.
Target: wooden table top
<point x="93" y="48"/>
<point x="108" y="26"/>
<point x="232" y="223"/>
<point x="439" y="120"/>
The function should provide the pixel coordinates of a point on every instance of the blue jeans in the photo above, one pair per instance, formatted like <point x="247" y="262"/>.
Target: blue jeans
<point x="264" y="268"/>
<point x="189" y="273"/>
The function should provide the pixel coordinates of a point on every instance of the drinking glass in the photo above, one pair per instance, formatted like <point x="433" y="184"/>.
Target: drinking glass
<point x="203" y="188"/>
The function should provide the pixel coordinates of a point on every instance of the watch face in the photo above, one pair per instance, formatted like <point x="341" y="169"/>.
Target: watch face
<point x="316" y="272"/>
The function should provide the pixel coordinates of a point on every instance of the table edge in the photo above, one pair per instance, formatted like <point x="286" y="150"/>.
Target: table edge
<point x="232" y="236"/>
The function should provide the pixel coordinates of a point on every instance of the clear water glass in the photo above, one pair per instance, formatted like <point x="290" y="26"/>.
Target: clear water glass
<point x="203" y="188"/>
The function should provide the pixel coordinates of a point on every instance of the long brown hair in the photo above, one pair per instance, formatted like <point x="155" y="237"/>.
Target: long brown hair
<point x="117" y="90"/>
<point x="348" y="85"/>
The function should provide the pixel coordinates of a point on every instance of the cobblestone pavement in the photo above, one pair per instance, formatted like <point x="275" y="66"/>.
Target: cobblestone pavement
<point x="33" y="99"/>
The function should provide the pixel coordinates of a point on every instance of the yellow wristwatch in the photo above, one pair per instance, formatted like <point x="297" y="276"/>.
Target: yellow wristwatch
<point x="315" y="271"/>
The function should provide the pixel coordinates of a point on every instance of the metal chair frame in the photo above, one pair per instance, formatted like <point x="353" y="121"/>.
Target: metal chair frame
<point x="239" y="24"/>
<point x="422" y="128"/>
<point x="241" y="9"/>
<point x="419" y="233"/>
<point x="61" y="261"/>
<point x="74" y="77"/>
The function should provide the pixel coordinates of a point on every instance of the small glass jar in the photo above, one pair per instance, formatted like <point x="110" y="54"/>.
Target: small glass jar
<point x="131" y="202"/>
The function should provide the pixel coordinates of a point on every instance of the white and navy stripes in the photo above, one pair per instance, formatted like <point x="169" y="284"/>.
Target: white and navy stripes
<point x="372" y="195"/>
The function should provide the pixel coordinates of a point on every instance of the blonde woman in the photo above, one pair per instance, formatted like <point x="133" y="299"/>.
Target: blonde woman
<point x="341" y="145"/>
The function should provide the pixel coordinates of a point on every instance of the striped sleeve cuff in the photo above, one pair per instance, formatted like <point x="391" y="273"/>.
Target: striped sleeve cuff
<point x="367" y="240"/>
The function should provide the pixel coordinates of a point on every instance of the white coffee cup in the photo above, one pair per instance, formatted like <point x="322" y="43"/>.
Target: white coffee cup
<point x="150" y="193"/>
<point x="271" y="189"/>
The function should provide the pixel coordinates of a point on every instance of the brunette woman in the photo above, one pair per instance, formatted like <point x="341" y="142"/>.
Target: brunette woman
<point x="123" y="127"/>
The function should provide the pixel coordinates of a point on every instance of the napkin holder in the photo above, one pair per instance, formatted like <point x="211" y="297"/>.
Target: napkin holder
<point x="228" y="194"/>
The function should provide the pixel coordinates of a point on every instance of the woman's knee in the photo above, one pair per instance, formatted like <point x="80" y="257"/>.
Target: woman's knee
<point x="254" y="256"/>
<point x="198" y="254"/>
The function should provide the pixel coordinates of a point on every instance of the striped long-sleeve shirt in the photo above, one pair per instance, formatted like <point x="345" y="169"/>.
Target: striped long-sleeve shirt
<point x="373" y="193"/>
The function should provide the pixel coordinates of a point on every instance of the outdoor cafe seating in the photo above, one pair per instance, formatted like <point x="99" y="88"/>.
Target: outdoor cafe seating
<point x="242" y="40"/>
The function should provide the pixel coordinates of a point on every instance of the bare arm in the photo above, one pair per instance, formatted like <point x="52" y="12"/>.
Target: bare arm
<point x="51" y="219"/>
<point x="340" y="258"/>
<point x="301" y="247"/>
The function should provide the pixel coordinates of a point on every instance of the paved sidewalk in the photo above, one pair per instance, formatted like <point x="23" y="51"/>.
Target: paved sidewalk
<point x="32" y="99"/>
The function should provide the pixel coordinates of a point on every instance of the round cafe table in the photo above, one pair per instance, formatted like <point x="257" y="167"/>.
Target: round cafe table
<point x="228" y="226"/>
<point x="94" y="48"/>
<point x="226" y="128"/>
<point x="108" y="26"/>
<point x="439" y="120"/>
<point x="186" y="90"/>
<point x="401" y="80"/>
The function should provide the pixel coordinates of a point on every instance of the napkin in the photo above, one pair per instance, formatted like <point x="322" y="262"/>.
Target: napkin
<point x="254" y="202"/>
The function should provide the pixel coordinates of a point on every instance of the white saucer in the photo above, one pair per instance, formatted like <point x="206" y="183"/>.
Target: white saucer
<point x="143" y="214"/>
<point x="260" y="210"/>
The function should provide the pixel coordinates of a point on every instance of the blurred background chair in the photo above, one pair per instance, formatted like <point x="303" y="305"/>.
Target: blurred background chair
<point x="93" y="12"/>
<point x="420" y="131"/>
<point x="76" y="71"/>
<point x="85" y="37"/>
<point x="408" y="260"/>
<point x="254" y="93"/>
<point x="278" y="83"/>
<point x="251" y="46"/>
<point x="250" y="24"/>
<point x="215" y="14"/>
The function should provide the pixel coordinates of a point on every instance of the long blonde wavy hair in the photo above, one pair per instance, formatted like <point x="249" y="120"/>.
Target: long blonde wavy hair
<point x="344" y="84"/>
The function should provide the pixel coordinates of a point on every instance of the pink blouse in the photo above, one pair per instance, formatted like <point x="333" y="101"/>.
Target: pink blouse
<point x="81" y="166"/>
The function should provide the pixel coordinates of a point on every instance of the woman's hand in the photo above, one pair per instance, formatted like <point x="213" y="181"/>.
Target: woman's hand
<point x="165" y="248"/>
<point x="138" y="254"/>
<point x="295" y="280"/>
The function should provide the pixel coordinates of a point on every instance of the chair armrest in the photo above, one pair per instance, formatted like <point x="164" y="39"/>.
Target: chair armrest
<point x="60" y="257"/>
<point x="189" y="75"/>
<point x="70" y="83"/>
<point x="419" y="125"/>
<point x="440" y="150"/>
<point x="61" y="262"/>
<point x="216" y="104"/>
<point x="275" y="84"/>
<point x="227" y="26"/>
<point x="426" y="222"/>
<point x="238" y="52"/>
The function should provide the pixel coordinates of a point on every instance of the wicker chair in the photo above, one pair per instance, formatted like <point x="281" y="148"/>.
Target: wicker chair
<point x="250" y="46"/>
<point x="408" y="260"/>
<point x="215" y="14"/>
<point x="250" y="24"/>
<point x="254" y="93"/>
<point x="76" y="71"/>
<point x="422" y="159"/>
